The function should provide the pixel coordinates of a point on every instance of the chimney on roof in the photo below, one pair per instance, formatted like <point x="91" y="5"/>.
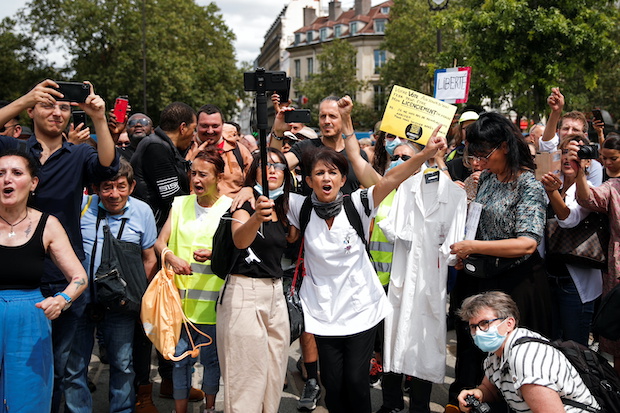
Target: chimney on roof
<point x="309" y="15"/>
<point x="362" y="7"/>
<point x="335" y="10"/>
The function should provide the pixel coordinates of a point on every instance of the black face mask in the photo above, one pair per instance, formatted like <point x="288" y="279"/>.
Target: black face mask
<point x="326" y="210"/>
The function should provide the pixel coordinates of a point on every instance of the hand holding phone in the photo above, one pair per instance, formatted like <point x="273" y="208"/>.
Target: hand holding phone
<point x="297" y="116"/>
<point x="597" y="115"/>
<point x="120" y="108"/>
<point x="73" y="91"/>
<point x="79" y="116"/>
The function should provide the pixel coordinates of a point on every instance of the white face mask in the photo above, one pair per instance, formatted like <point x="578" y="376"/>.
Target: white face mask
<point x="273" y="193"/>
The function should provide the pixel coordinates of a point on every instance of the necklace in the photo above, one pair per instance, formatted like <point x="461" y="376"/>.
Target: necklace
<point x="12" y="233"/>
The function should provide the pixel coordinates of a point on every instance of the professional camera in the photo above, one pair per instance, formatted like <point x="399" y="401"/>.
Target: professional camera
<point x="588" y="152"/>
<point x="476" y="405"/>
<point x="262" y="81"/>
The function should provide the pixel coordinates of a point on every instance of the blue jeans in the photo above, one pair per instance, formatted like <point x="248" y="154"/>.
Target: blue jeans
<point x="63" y="333"/>
<point x="26" y="375"/>
<point x="572" y="318"/>
<point x="182" y="370"/>
<point x="117" y="330"/>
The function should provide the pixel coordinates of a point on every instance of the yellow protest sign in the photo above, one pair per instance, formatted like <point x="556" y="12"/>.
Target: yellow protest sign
<point x="414" y="116"/>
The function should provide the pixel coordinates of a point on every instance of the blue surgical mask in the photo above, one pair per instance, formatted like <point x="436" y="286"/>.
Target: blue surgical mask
<point x="391" y="145"/>
<point x="491" y="340"/>
<point x="273" y="193"/>
<point x="395" y="163"/>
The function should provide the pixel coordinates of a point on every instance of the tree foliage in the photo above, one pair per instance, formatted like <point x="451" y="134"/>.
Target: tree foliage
<point x="189" y="49"/>
<point x="20" y="65"/>
<point x="519" y="49"/>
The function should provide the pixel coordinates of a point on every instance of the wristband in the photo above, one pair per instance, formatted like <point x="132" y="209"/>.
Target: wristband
<point x="68" y="299"/>
<point x="278" y="138"/>
<point x="347" y="136"/>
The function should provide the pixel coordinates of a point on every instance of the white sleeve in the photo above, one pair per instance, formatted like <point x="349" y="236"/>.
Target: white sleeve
<point x="577" y="212"/>
<point x="549" y="146"/>
<point x="295" y="202"/>
<point x="456" y="232"/>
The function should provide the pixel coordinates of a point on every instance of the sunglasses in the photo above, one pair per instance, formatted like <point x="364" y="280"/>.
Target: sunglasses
<point x="139" y="121"/>
<point x="278" y="166"/>
<point x="403" y="157"/>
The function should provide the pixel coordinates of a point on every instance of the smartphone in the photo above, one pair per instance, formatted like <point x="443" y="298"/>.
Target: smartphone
<point x="120" y="108"/>
<point x="73" y="91"/>
<point x="297" y="116"/>
<point x="285" y="93"/>
<point x="79" y="116"/>
<point x="597" y="115"/>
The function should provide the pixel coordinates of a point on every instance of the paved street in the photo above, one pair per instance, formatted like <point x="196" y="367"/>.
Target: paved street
<point x="99" y="374"/>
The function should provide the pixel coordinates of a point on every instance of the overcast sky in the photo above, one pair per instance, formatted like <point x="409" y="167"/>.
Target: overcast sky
<point x="249" y="20"/>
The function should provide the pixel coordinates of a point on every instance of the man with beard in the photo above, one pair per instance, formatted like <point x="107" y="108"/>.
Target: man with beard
<point x="139" y="126"/>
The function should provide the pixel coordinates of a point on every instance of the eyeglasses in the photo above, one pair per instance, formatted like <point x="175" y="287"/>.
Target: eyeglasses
<point x="62" y="106"/>
<point x="483" y="158"/>
<point x="403" y="157"/>
<point x="7" y="127"/>
<point x="139" y="121"/>
<point x="122" y="144"/>
<point x="278" y="166"/>
<point x="483" y="325"/>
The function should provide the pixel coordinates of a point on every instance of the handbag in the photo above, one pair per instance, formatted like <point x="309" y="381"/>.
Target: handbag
<point x="488" y="266"/>
<point x="293" y="302"/>
<point x="584" y="245"/>
<point x="606" y="322"/>
<point x="162" y="315"/>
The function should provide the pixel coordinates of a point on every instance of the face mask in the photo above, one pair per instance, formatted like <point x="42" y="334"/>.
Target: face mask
<point x="490" y="340"/>
<point x="273" y="193"/>
<point x="390" y="146"/>
<point x="395" y="163"/>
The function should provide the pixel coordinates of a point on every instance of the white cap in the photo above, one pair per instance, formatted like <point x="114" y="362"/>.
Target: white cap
<point x="468" y="115"/>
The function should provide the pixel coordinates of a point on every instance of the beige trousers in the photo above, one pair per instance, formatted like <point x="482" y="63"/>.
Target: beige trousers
<point x="252" y="343"/>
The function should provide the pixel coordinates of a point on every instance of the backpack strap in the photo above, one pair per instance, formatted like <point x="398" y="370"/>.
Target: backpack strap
<point x="304" y="214"/>
<point x="354" y="218"/>
<point x="566" y="401"/>
<point x="237" y="152"/>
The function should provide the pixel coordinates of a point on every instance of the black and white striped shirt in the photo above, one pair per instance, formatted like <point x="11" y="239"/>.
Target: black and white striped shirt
<point x="535" y="363"/>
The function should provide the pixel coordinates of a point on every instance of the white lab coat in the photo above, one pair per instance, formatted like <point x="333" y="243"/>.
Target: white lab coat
<point x="425" y="219"/>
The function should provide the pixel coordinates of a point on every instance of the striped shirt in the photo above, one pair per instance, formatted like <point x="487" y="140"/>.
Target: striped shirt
<point x="535" y="363"/>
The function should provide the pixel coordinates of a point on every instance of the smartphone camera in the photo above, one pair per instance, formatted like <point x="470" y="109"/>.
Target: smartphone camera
<point x="588" y="152"/>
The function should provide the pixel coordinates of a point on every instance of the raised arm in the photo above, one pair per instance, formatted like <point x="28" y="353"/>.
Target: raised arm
<point x="556" y="104"/>
<point x="277" y="133"/>
<point x="364" y="171"/>
<point x="397" y="175"/>
<point x="95" y="108"/>
<point x="44" y="92"/>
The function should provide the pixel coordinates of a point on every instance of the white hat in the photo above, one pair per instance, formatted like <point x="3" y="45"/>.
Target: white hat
<point x="468" y="115"/>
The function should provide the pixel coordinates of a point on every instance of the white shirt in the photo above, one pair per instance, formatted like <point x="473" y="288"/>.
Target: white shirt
<point x="535" y="363"/>
<point x="341" y="294"/>
<point x="589" y="281"/>
<point x="425" y="219"/>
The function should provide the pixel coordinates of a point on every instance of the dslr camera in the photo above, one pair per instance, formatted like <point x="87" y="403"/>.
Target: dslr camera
<point x="476" y="405"/>
<point x="588" y="152"/>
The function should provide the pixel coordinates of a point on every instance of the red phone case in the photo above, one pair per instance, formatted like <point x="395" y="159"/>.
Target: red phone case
<point x="120" y="109"/>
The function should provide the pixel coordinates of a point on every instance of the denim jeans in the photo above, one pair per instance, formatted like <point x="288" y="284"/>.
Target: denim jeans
<point x="117" y="330"/>
<point x="572" y="318"/>
<point x="182" y="370"/>
<point x="63" y="333"/>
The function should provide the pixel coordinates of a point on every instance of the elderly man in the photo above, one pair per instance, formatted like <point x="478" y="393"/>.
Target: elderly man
<point x="529" y="377"/>
<point x="131" y="221"/>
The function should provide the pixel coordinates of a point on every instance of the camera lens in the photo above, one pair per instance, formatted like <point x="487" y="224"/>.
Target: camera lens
<point x="587" y="152"/>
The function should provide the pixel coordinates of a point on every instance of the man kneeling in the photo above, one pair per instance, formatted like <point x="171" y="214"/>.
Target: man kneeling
<point x="530" y="377"/>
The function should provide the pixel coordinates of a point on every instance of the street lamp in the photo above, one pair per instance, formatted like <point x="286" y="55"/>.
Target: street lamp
<point x="436" y="5"/>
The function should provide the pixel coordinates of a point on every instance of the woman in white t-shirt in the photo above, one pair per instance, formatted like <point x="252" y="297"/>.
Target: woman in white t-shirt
<point x="342" y="297"/>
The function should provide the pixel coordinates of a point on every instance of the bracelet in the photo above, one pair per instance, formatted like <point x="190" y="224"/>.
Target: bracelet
<point x="278" y="138"/>
<point x="347" y="136"/>
<point x="445" y="168"/>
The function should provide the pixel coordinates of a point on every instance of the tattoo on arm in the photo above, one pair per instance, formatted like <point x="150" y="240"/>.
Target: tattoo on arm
<point x="78" y="282"/>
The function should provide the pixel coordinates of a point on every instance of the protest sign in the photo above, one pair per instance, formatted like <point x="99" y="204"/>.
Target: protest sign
<point x="452" y="84"/>
<point x="414" y="116"/>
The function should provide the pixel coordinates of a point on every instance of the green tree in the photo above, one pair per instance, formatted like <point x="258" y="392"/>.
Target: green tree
<point x="337" y="76"/>
<point x="519" y="49"/>
<point x="189" y="49"/>
<point x="20" y="66"/>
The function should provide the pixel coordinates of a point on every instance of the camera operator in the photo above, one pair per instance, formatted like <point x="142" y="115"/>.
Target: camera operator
<point x="531" y="377"/>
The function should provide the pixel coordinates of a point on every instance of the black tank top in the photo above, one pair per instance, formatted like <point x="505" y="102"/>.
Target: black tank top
<point x="22" y="266"/>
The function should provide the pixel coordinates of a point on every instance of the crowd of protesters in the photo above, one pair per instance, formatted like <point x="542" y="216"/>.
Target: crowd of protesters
<point x="381" y="226"/>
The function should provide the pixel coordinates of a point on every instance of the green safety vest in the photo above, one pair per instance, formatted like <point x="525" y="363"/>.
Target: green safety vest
<point x="380" y="248"/>
<point x="199" y="291"/>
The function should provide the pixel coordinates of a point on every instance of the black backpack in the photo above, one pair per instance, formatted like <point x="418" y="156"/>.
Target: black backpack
<point x="597" y="374"/>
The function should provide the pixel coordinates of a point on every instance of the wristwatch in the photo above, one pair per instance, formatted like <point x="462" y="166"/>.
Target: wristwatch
<point x="68" y="299"/>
